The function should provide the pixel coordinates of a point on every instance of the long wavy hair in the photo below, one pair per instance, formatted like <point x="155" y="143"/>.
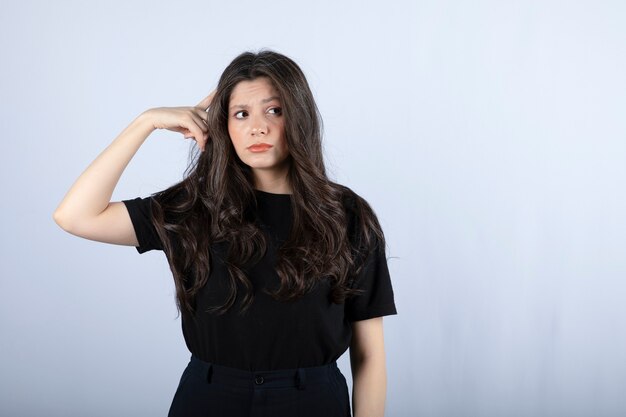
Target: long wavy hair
<point x="217" y="197"/>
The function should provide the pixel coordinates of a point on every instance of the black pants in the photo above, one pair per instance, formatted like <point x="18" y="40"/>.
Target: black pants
<point x="209" y="390"/>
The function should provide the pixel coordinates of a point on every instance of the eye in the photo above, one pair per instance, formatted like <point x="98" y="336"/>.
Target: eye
<point x="239" y="112"/>
<point x="277" y="110"/>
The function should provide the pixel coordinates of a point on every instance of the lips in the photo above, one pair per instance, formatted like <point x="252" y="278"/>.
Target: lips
<point x="258" y="147"/>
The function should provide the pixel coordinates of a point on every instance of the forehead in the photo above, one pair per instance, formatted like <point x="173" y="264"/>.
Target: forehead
<point x="256" y="89"/>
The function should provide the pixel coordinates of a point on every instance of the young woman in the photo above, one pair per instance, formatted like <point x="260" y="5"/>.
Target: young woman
<point x="277" y="269"/>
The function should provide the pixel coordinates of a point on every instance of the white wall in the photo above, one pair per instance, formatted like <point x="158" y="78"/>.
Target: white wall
<point x="489" y="136"/>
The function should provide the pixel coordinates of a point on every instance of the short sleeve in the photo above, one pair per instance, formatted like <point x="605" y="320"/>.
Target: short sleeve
<point x="140" y="210"/>
<point x="377" y="299"/>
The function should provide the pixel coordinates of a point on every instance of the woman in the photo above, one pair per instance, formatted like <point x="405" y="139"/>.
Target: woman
<point x="277" y="269"/>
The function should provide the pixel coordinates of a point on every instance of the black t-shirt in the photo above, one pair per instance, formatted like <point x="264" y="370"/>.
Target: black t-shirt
<point x="310" y="331"/>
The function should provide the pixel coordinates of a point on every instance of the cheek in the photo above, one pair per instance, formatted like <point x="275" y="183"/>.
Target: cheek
<point x="281" y="129"/>
<point x="284" y="141"/>
<point x="234" y="136"/>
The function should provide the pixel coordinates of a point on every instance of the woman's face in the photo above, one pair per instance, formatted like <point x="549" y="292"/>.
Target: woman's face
<point x="255" y="117"/>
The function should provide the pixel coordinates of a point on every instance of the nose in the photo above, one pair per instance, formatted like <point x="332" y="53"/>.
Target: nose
<point x="259" y="127"/>
<point x="257" y="131"/>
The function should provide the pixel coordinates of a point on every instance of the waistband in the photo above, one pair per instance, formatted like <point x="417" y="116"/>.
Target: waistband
<point x="295" y="377"/>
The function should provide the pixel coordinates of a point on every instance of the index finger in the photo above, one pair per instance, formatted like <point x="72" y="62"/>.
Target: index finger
<point x="206" y="102"/>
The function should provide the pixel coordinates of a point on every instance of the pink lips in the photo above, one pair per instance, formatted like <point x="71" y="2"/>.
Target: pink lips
<point x="259" y="147"/>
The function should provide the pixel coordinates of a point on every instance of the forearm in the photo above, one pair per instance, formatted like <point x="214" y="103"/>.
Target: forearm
<point x="369" y="387"/>
<point x="91" y="192"/>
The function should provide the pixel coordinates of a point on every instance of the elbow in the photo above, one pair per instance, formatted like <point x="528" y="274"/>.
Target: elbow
<point x="358" y="359"/>
<point x="60" y="220"/>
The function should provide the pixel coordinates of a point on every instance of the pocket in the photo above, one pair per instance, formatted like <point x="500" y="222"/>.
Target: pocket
<point x="187" y="401"/>
<point x="339" y="391"/>
<point x="183" y="378"/>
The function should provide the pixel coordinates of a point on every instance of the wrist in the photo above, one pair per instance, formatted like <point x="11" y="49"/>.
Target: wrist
<point x="146" y="119"/>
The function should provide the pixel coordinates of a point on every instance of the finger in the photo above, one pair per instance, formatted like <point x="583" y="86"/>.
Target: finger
<point x="206" y="102"/>
<point x="202" y="114"/>
<point x="205" y="139"/>
<point x="198" y="136"/>
<point x="200" y="123"/>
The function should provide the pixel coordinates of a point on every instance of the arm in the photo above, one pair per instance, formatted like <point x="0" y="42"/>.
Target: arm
<point x="369" y="375"/>
<point x="86" y="210"/>
<point x="89" y="196"/>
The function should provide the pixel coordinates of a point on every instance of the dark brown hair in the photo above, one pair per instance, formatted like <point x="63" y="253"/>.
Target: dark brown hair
<point x="217" y="196"/>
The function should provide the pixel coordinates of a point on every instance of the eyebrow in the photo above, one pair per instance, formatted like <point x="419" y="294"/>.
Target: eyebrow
<point x="245" y="106"/>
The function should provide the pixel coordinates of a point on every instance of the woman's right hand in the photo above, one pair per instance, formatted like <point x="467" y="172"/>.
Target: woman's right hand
<point x="190" y="121"/>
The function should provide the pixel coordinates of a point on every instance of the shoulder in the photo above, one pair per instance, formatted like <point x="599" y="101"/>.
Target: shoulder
<point x="173" y="203"/>
<point x="348" y="197"/>
<point x="352" y="202"/>
<point x="174" y="194"/>
<point x="364" y="229"/>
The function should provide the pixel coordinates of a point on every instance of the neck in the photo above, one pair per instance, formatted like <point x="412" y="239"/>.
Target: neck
<point x="272" y="181"/>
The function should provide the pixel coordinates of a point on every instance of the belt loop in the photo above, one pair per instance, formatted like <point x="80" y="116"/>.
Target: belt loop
<point x="301" y="379"/>
<point x="209" y="373"/>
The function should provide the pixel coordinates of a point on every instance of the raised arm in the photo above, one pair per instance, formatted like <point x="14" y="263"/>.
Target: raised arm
<point x="86" y="210"/>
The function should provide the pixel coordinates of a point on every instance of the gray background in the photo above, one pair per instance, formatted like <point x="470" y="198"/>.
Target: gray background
<point x="489" y="136"/>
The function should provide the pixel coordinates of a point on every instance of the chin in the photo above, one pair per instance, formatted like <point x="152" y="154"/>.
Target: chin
<point x="268" y="162"/>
